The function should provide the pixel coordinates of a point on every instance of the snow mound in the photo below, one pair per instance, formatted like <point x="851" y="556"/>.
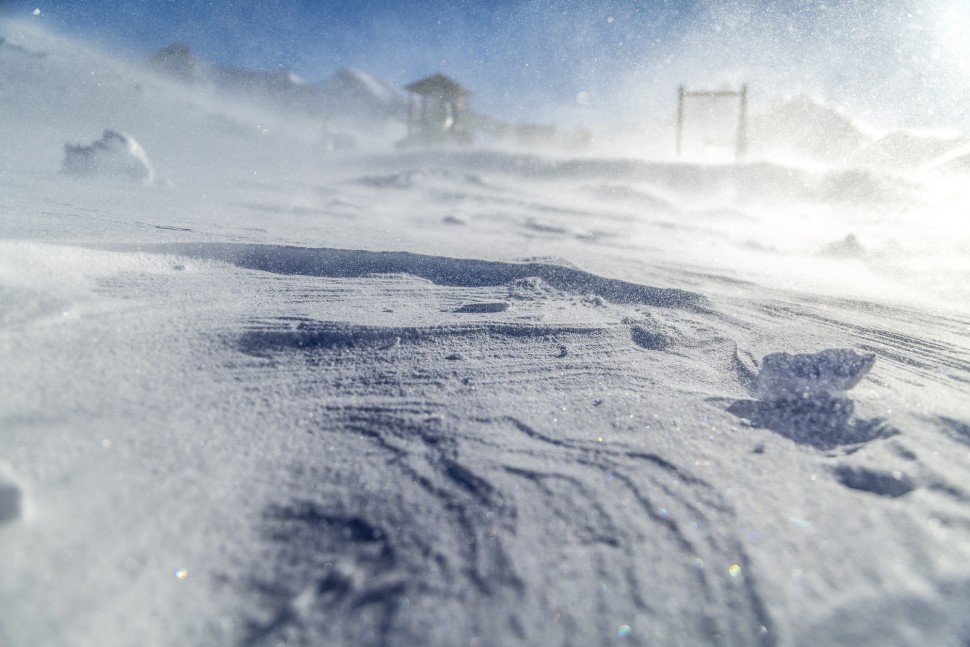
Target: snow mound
<point x="440" y="270"/>
<point x="349" y="94"/>
<point x="115" y="154"/>
<point x="355" y="96"/>
<point x="824" y="374"/>
<point x="357" y="82"/>
<point x="802" y="398"/>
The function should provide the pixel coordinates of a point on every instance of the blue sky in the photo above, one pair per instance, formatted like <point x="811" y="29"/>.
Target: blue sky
<point x="523" y="52"/>
<point x="891" y="60"/>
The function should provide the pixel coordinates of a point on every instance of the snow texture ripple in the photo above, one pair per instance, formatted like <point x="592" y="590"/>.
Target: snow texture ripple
<point x="297" y="394"/>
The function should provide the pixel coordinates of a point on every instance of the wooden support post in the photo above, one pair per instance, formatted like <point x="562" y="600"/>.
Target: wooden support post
<point x="424" y="115"/>
<point x="742" y="145"/>
<point x="741" y="138"/>
<point x="680" y="118"/>
<point x="410" y="114"/>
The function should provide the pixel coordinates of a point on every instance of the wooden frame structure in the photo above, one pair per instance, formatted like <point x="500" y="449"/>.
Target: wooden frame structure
<point x="440" y="113"/>
<point x="741" y="141"/>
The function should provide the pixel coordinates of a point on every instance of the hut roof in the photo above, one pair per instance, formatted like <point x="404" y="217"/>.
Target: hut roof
<point x="438" y="85"/>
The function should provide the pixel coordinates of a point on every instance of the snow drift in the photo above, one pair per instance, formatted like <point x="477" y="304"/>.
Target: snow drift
<point x="115" y="155"/>
<point x="826" y="373"/>
<point x="466" y="397"/>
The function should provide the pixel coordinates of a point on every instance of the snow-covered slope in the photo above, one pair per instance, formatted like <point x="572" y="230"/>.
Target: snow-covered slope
<point x="347" y="95"/>
<point x="799" y="130"/>
<point x="352" y="92"/>
<point x="465" y="396"/>
<point x="805" y="127"/>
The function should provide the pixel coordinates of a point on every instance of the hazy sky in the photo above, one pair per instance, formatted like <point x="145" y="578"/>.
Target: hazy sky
<point x="521" y="51"/>
<point x="892" y="61"/>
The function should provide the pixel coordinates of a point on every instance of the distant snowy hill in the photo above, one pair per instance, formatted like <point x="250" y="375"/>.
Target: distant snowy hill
<point x="348" y="94"/>
<point x="806" y="127"/>
<point x="178" y="61"/>
<point x="799" y="129"/>
<point x="355" y="92"/>
<point x="60" y="92"/>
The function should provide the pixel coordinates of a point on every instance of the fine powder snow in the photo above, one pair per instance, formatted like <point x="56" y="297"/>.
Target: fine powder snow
<point x="297" y="393"/>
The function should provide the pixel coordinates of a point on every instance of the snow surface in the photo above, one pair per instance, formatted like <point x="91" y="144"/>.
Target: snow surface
<point x="464" y="396"/>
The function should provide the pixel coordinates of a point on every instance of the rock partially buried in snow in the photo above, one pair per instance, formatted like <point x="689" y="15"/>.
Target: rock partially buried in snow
<point x="115" y="155"/>
<point x="10" y="503"/>
<point x="827" y="373"/>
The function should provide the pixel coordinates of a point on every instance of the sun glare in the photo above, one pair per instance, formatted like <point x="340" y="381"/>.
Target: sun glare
<point x="951" y="46"/>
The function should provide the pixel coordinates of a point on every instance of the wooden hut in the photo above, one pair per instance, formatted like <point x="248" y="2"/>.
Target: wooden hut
<point x="436" y="111"/>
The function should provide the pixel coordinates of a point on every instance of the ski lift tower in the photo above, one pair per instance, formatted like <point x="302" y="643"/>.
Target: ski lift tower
<point x="741" y="139"/>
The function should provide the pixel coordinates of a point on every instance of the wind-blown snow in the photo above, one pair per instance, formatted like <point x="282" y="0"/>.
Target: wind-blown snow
<point x="467" y="396"/>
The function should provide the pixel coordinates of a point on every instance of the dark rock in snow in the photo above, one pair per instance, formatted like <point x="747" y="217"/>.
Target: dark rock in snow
<point x="10" y="502"/>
